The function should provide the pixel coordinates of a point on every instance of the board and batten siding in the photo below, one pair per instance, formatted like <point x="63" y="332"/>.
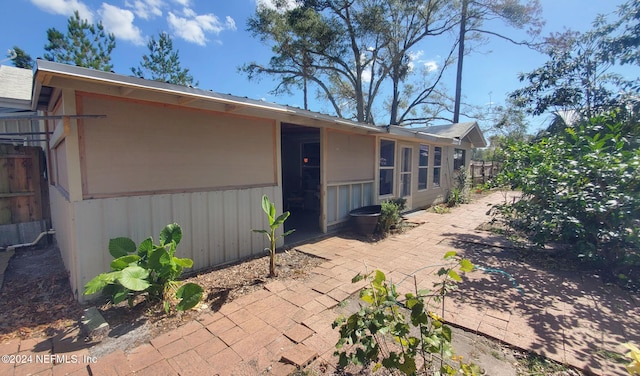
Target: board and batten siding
<point x="216" y="227"/>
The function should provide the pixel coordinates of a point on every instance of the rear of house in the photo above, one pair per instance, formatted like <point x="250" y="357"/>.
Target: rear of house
<point x="127" y="156"/>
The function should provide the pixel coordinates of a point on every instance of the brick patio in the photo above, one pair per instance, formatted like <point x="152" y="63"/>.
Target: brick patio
<point x="571" y="317"/>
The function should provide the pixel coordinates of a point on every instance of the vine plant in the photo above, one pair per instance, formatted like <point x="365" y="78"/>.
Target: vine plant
<point x="399" y="332"/>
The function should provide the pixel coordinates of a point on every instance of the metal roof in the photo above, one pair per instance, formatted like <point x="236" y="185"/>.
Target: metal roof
<point x="44" y="67"/>
<point x="42" y="92"/>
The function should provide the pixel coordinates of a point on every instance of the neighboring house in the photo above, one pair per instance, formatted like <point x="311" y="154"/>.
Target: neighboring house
<point x="127" y="156"/>
<point x="16" y="125"/>
<point x="24" y="197"/>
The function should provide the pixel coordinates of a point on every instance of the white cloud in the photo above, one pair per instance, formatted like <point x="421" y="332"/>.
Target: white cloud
<point x="270" y="4"/>
<point x="120" y="22"/>
<point x="184" y="3"/>
<point x="415" y="58"/>
<point x="146" y="9"/>
<point x="431" y="66"/>
<point x="65" y="8"/>
<point x="193" y="27"/>
<point x="231" y="23"/>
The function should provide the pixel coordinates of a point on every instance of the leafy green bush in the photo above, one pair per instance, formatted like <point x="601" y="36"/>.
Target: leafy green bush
<point x="389" y="216"/>
<point x="152" y="271"/>
<point x="580" y="186"/>
<point x="387" y="316"/>
<point x="459" y="193"/>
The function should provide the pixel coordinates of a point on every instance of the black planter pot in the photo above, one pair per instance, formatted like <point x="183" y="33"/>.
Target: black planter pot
<point x="365" y="219"/>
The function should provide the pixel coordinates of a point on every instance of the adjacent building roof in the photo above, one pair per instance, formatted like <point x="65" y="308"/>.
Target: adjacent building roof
<point x="458" y="131"/>
<point x="15" y="88"/>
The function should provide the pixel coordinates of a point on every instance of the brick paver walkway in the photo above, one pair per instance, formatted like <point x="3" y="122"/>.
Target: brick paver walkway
<point x="571" y="317"/>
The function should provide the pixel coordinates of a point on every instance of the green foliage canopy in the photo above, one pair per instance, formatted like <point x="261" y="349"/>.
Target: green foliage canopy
<point x="163" y="63"/>
<point x="84" y="45"/>
<point x="22" y="59"/>
<point x="580" y="186"/>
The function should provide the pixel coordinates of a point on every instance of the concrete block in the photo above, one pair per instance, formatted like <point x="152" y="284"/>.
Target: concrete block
<point x="93" y="324"/>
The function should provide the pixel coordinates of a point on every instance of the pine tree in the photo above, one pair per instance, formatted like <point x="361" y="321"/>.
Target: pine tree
<point x="84" y="45"/>
<point x="163" y="63"/>
<point x="22" y="59"/>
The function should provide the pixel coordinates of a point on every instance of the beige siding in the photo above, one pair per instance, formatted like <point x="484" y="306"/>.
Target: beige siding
<point x="143" y="148"/>
<point x="62" y="222"/>
<point x="217" y="226"/>
<point x="350" y="157"/>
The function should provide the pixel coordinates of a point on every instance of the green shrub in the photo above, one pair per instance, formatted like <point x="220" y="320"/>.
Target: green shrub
<point x="459" y="193"/>
<point x="580" y="186"/>
<point x="399" y="332"/>
<point x="389" y="216"/>
<point x="151" y="271"/>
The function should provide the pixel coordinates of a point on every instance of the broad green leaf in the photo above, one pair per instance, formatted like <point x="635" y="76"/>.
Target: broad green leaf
<point x="272" y="213"/>
<point x="466" y="266"/>
<point x="261" y="232"/>
<point x="119" y="295"/>
<point x="266" y="206"/>
<point x="99" y="282"/>
<point x="124" y="261"/>
<point x="289" y="232"/>
<point x="357" y="278"/>
<point x="190" y="295"/>
<point x="379" y="278"/>
<point x="446" y="332"/>
<point x="122" y="246"/>
<point x="171" y="232"/>
<point x="134" y="278"/>
<point x="454" y="275"/>
<point x="450" y="254"/>
<point x="154" y="258"/>
<point x="280" y="220"/>
<point x="145" y="247"/>
<point x="184" y="262"/>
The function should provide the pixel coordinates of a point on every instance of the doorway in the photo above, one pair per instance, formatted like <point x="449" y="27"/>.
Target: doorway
<point x="300" y="150"/>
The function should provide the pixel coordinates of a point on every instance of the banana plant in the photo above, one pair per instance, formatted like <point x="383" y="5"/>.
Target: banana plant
<point x="153" y="270"/>
<point x="274" y="222"/>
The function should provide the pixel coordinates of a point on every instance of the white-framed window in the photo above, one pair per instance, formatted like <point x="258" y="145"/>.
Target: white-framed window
<point x="387" y="167"/>
<point x="423" y="167"/>
<point x="437" y="165"/>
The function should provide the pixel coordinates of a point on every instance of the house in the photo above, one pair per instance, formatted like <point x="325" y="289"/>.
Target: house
<point x="128" y="156"/>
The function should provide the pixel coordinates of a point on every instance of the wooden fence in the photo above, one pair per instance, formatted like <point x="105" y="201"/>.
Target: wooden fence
<point x="483" y="171"/>
<point x="24" y="191"/>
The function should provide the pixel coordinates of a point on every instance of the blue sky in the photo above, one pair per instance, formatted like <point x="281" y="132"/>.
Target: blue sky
<point x="213" y="42"/>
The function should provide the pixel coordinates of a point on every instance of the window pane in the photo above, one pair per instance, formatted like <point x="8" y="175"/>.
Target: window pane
<point x="406" y="160"/>
<point x="437" y="156"/>
<point x="436" y="176"/>
<point x="386" y="182"/>
<point x="406" y="185"/>
<point x="387" y="152"/>
<point x="422" y="178"/>
<point x="458" y="158"/>
<point x="424" y="155"/>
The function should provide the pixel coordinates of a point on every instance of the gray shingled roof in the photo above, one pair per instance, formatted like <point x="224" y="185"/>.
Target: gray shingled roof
<point x="15" y="88"/>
